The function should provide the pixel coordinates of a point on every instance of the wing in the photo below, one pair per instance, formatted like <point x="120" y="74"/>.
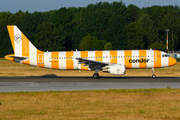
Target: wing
<point x="92" y="64"/>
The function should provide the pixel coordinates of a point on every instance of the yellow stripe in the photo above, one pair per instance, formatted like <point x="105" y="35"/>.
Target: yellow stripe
<point x="11" y="34"/>
<point x="69" y="61"/>
<point x="84" y="54"/>
<point x="9" y="58"/>
<point x="98" y="56"/>
<point x="128" y="54"/>
<point x="55" y="60"/>
<point x="25" y="48"/>
<point x="142" y="55"/>
<point x="157" y="64"/>
<point x="41" y="55"/>
<point x="113" y="55"/>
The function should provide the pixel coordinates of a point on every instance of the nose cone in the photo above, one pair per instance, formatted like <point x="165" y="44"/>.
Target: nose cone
<point x="172" y="61"/>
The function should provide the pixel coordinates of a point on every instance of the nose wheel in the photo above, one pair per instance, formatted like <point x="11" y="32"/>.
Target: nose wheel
<point x="153" y="76"/>
<point x="96" y="76"/>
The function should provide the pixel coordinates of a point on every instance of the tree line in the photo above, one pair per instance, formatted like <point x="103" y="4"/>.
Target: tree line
<point x="100" y="26"/>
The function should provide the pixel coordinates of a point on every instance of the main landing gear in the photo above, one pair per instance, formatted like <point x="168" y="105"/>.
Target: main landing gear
<point x="96" y="74"/>
<point x="153" y="76"/>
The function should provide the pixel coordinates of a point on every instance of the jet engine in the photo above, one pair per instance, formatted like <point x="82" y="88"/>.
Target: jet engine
<point x="115" y="69"/>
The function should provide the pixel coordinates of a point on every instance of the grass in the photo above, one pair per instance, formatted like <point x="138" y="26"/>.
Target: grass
<point x="9" y="68"/>
<point x="138" y="104"/>
<point x="115" y="104"/>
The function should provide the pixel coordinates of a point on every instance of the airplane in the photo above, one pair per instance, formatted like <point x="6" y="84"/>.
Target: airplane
<point x="114" y="62"/>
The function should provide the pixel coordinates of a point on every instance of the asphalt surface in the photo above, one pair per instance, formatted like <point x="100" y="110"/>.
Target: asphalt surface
<point x="55" y="83"/>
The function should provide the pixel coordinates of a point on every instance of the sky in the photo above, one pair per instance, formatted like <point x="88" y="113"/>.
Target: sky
<point x="14" y="6"/>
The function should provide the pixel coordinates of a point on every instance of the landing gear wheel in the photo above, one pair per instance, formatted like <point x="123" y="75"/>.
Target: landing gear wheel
<point x="153" y="76"/>
<point x="96" y="76"/>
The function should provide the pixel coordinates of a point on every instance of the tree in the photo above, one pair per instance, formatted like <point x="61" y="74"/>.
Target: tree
<point x="158" y="46"/>
<point x="157" y="15"/>
<point x="30" y="23"/>
<point x="149" y="33"/>
<point x="47" y="37"/>
<point x="6" y="18"/>
<point x="91" y="43"/>
<point x="108" y="46"/>
<point x="134" y="12"/>
<point x="134" y="36"/>
<point x="171" y="21"/>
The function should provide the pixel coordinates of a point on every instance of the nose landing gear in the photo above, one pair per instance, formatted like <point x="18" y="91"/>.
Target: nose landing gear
<point x="153" y="76"/>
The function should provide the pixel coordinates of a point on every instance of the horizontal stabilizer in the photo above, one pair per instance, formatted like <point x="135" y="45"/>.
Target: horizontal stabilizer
<point x="16" y="58"/>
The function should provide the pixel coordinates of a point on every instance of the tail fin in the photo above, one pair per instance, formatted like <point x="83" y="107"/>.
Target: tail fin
<point x="24" y="51"/>
<point x="21" y="45"/>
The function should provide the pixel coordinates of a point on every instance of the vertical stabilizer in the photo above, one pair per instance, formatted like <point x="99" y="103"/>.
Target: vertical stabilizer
<point x="24" y="51"/>
<point x="21" y="45"/>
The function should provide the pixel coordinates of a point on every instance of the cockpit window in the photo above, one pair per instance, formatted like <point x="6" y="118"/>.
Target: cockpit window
<point x="165" y="55"/>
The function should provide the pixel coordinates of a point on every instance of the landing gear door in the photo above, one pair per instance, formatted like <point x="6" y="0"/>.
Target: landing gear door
<point x="153" y="56"/>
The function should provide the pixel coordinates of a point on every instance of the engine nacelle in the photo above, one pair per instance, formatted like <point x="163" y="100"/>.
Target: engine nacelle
<point x="115" y="69"/>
